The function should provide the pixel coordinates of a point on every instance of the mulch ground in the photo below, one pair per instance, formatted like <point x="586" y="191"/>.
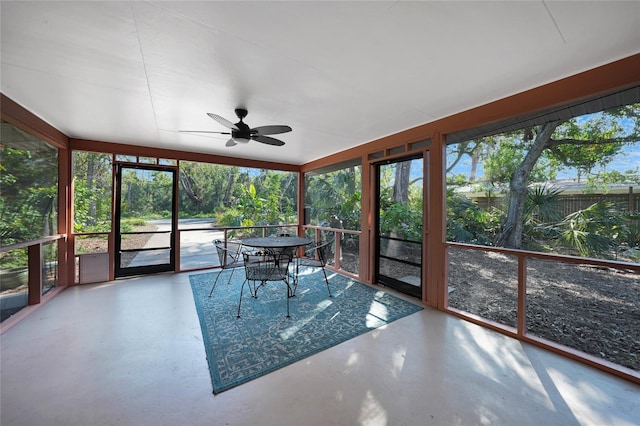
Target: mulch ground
<point x="99" y="245"/>
<point x="591" y="309"/>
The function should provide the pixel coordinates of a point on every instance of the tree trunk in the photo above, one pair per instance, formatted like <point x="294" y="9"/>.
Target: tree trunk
<point x="401" y="184"/>
<point x="511" y="230"/>
<point x="91" y="171"/>
<point x="351" y="180"/>
<point x="475" y="159"/>
<point x="401" y="196"/>
<point x="187" y="184"/>
<point x="227" y="194"/>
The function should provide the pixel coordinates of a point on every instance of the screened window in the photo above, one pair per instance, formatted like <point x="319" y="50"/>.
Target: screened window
<point x="332" y="196"/>
<point x="332" y="200"/>
<point x="28" y="212"/>
<point x="237" y="196"/>
<point x="555" y="182"/>
<point x="562" y="182"/>
<point x="29" y="180"/>
<point x="92" y="189"/>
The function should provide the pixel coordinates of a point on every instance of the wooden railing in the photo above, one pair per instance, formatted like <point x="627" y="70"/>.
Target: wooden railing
<point x="35" y="276"/>
<point x="262" y="230"/>
<point x="316" y="233"/>
<point x="320" y="233"/>
<point x="520" y="331"/>
<point x="34" y="263"/>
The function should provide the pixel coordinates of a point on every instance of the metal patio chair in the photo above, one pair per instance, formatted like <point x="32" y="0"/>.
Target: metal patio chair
<point x="315" y="257"/>
<point x="261" y="267"/>
<point x="291" y="251"/>
<point x="229" y="254"/>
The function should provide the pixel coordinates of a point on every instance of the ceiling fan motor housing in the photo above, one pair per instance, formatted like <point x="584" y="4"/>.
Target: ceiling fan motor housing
<point x="241" y="113"/>
<point x="243" y="134"/>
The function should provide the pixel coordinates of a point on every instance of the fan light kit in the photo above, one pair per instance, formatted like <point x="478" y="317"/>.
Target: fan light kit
<point x="242" y="133"/>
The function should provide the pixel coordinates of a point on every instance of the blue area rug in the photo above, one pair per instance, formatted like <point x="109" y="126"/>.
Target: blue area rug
<point x="264" y="340"/>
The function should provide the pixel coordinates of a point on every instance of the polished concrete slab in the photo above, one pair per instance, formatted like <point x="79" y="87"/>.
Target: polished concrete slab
<point x="130" y="352"/>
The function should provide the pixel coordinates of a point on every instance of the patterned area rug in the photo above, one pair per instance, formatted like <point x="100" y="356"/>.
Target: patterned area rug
<point x="263" y="340"/>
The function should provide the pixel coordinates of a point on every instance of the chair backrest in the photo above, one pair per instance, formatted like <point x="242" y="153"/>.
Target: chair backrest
<point x="227" y="253"/>
<point x="322" y="251"/>
<point x="291" y="251"/>
<point x="266" y="266"/>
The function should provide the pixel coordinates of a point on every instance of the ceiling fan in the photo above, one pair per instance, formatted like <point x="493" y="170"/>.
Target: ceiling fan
<point x="242" y="133"/>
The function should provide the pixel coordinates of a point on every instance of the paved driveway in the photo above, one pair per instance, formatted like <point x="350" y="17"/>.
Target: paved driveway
<point x="196" y="247"/>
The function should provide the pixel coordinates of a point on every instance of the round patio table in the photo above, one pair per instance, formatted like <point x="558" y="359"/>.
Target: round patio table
<point x="276" y="246"/>
<point x="276" y="242"/>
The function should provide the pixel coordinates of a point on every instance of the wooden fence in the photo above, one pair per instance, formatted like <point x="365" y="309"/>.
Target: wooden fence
<point x="571" y="203"/>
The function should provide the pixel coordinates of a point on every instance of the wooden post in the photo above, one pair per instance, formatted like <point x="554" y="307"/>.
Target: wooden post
<point x="337" y="238"/>
<point x="522" y="295"/>
<point x="35" y="273"/>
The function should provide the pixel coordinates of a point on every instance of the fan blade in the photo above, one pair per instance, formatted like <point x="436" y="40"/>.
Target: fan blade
<point x="268" y="140"/>
<point x="203" y="131"/>
<point x="231" y="142"/>
<point x="270" y="130"/>
<point x="226" y="123"/>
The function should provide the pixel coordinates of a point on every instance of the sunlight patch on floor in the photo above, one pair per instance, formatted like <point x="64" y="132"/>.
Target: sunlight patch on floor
<point x="290" y="331"/>
<point x="371" y="412"/>
<point x="397" y="362"/>
<point x="482" y="347"/>
<point x="377" y="315"/>
<point x="584" y="400"/>
<point x="353" y="359"/>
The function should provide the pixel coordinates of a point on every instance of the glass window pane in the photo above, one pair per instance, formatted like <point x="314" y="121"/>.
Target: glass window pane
<point x="29" y="181"/>
<point x="196" y="245"/>
<point x="485" y="284"/>
<point x="420" y="145"/>
<point x="92" y="194"/>
<point x="237" y="196"/>
<point x="91" y="244"/>
<point x="147" y="160"/>
<point x="332" y="198"/>
<point x="580" y="195"/>
<point x="126" y="158"/>
<point x="214" y="195"/>
<point x="591" y="309"/>
<point x="49" y="266"/>
<point x="396" y="150"/>
<point x="14" y="279"/>
<point x="350" y="250"/>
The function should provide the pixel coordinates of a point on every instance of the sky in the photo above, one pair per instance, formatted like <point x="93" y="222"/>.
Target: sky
<point x="628" y="159"/>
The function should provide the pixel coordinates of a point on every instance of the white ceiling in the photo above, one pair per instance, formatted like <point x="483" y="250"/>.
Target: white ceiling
<point x="339" y="73"/>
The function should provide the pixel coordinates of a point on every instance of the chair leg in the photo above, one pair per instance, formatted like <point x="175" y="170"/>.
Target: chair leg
<point x="327" y="281"/>
<point x="240" y="300"/>
<point x="252" y="290"/>
<point x="215" y="282"/>
<point x="294" y="278"/>
<point x="289" y="295"/>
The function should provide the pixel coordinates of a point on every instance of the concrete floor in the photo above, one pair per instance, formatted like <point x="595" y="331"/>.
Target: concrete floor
<point x="130" y="353"/>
